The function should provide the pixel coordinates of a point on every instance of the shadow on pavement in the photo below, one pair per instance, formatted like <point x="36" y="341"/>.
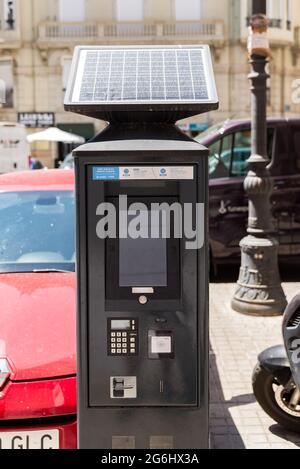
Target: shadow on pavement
<point x="224" y="432"/>
<point x="243" y="399"/>
<point x="285" y="434"/>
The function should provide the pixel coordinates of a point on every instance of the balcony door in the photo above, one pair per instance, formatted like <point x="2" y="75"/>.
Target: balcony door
<point x="188" y="10"/>
<point x="275" y="9"/>
<point x="130" y="10"/>
<point x="71" y="11"/>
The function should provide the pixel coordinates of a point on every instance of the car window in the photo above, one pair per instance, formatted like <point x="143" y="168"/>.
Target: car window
<point x="37" y="231"/>
<point x="220" y="158"/>
<point x="212" y="130"/>
<point x="229" y="155"/>
<point x="241" y="153"/>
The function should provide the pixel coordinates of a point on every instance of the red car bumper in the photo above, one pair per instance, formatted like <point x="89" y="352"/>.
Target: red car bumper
<point x="41" y="405"/>
<point x="67" y="431"/>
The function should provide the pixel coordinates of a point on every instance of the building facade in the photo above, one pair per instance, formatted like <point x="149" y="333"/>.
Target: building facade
<point x="37" y="38"/>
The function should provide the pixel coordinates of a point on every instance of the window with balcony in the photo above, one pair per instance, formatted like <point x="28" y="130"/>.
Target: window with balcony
<point x="130" y="10"/>
<point x="187" y="10"/>
<point x="9" y="15"/>
<point x="71" y="11"/>
<point x="7" y="77"/>
<point x="275" y="12"/>
<point x="279" y="13"/>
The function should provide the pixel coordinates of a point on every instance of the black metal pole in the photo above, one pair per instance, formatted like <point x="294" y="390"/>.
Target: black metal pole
<point x="259" y="290"/>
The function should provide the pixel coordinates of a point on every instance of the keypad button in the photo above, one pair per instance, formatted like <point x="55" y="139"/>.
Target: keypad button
<point x="119" y="340"/>
<point x="113" y="340"/>
<point x="124" y="350"/>
<point x="113" y="351"/>
<point x="113" y="334"/>
<point x="124" y="340"/>
<point x="119" y="334"/>
<point x="132" y="340"/>
<point x="119" y="345"/>
<point x="132" y="350"/>
<point x="124" y="334"/>
<point x="119" y="352"/>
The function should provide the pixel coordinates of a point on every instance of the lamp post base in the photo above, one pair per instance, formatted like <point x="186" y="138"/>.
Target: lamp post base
<point x="259" y="291"/>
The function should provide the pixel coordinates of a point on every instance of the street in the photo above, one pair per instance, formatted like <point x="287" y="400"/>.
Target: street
<point x="237" y="421"/>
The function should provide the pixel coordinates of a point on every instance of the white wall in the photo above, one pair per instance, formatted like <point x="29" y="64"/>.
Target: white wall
<point x="71" y="10"/>
<point x="130" y="10"/>
<point x="186" y="10"/>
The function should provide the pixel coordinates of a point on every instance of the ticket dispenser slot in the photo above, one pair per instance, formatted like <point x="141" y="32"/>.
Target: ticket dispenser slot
<point x="123" y="387"/>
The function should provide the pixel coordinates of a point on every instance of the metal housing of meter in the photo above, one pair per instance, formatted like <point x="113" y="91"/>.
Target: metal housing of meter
<point x="142" y="322"/>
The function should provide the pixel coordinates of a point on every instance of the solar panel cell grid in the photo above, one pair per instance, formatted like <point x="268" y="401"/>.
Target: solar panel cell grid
<point x="143" y="75"/>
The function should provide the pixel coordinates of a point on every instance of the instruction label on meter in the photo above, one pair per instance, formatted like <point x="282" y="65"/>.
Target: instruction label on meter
<point x="136" y="173"/>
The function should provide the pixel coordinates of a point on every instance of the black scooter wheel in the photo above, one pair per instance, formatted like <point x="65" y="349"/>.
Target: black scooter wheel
<point x="274" y="399"/>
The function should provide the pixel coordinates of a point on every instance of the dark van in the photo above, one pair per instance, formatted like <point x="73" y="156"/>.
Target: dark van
<point x="230" y="148"/>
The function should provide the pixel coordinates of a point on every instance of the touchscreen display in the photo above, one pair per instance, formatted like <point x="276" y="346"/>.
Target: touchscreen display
<point x="143" y="262"/>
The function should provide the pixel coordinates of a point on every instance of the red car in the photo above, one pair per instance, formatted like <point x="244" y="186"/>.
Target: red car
<point x="38" y="304"/>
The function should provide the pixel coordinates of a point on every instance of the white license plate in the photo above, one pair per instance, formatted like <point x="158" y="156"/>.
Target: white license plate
<point x="30" y="440"/>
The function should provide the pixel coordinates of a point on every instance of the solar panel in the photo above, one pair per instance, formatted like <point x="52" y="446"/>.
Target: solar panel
<point x="154" y="75"/>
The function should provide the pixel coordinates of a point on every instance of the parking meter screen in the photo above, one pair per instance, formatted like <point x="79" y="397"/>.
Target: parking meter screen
<point x="143" y="260"/>
<point x="143" y="263"/>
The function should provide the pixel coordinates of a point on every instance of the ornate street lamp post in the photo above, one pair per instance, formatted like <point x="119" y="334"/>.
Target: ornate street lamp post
<point x="259" y="290"/>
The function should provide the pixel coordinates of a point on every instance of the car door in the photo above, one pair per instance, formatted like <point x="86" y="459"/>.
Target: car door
<point x="286" y="195"/>
<point x="228" y="200"/>
<point x="295" y="158"/>
<point x="228" y="203"/>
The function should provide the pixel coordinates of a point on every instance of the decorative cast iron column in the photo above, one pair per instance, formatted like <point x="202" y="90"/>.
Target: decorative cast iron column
<point x="259" y="291"/>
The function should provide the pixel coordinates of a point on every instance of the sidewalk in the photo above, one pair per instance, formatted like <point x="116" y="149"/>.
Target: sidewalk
<point x="237" y="421"/>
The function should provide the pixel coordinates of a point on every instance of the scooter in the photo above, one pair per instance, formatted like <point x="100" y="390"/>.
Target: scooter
<point x="276" y="377"/>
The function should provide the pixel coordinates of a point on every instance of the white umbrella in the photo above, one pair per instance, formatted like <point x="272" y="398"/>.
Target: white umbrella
<point x="53" y="134"/>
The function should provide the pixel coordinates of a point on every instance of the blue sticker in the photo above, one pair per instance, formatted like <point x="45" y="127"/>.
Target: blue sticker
<point x="106" y="173"/>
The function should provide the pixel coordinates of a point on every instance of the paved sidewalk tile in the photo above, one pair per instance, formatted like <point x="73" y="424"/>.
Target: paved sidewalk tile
<point x="237" y="421"/>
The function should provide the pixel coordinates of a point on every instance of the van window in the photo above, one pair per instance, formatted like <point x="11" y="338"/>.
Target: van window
<point x="220" y="158"/>
<point x="229" y="155"/>
<point x="241" y="153"/>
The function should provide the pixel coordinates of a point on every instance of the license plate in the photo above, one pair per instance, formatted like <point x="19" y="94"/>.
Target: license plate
<point x="30" y="440"/>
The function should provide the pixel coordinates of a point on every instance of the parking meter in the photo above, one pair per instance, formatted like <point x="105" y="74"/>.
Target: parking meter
<point x="142" y="257"/>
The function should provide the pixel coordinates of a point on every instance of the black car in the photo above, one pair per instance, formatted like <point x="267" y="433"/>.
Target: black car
<point x="230" y="148"/>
